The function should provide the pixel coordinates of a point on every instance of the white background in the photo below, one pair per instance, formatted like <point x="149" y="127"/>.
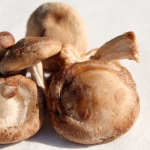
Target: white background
<point x="105" y="20"/>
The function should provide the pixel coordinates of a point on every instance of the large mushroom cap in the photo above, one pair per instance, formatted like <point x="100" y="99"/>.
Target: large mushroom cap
<point x="22" y="109"/>
<point x="59" y="21"/>
<point x="28" y="52"/>
<point x="92" y="102"/>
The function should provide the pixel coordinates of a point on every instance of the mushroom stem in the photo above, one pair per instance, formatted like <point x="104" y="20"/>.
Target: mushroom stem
<point x="37" y="75"/>
<point x="121" y="47"/>
<point x="69" y="54"/>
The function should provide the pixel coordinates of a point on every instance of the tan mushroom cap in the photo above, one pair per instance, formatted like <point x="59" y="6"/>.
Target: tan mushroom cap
<point x="22" y="109"/>
<point x="92" y="102"/>
<point x="28" y="52"/>
<point x="60" y="21"/>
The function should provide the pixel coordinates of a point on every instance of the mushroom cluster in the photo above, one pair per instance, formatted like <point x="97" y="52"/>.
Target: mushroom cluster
<point x="90" y="97"/>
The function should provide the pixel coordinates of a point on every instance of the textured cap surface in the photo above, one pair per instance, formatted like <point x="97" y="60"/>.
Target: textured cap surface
<point x="28" y="52"/>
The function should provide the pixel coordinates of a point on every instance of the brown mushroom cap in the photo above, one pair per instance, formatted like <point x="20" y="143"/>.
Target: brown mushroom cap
<point x="22" y="109"/>
<point x="6" y="42"/>
<point x="59" y="21"/>
<point x="28" y="52"/>
<point x="92" y="102"/>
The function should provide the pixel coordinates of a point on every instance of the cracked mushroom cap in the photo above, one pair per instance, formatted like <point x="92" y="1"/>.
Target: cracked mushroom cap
<point x="60" y="21"/>
<point x="22" y="109"/>
<point x="92" y="102"/>
<point x="28" y="52"/>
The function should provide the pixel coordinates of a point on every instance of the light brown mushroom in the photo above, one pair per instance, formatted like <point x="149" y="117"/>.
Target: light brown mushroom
<point x="94" y="101"/>
<point x="59" y="21"/>
<point x="29" y="52"/>
<point x="121" y="47"/>
<point x="22" y="109"/>
<point x="6" y="42"/>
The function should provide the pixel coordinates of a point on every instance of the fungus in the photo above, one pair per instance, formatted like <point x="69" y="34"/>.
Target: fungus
<point x="22" y="109"/>
<point x="121" y="47"/>
<point x="29" y="52"/>
<point x="94" y="101"/>
<point x="6" y="42"/>
<point x="60" y="21"/>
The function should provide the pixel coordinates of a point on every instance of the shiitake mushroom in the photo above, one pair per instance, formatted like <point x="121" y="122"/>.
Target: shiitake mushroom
<point x="60" y="21"/>
<point x="22" y="109"/>
<point x="94" y="101"/>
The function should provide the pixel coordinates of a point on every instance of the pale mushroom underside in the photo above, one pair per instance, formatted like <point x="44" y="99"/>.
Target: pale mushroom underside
<point x="22" y="115"/>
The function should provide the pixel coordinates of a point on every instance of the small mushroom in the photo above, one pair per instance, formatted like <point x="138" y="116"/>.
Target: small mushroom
<point x="121" y="47"/>
<point x="22" y="109"/>
<point x="6" y="42"/>
<point x="94" y="101"/>
<point x="29" y="52"/>
<point x="59" y="21"/>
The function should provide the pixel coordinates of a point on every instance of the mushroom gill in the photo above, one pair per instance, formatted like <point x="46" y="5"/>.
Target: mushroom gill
<point x="22" y="109"/>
